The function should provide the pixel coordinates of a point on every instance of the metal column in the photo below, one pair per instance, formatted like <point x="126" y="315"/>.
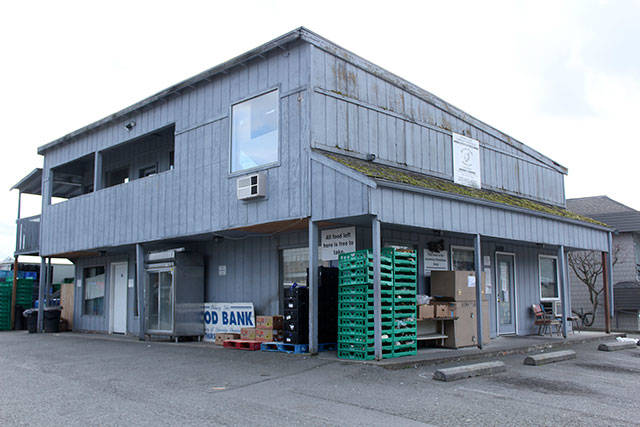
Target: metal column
<point x="313" y="287"/>
<point x="610" y="268"/>
<point x="563" y="288"/>
<point x="605" y="287"/>
<point x="41" y="285"/>
<point x="377" y="305"/>
<point x="140" y="290"/>
<point x="479" y="284"/>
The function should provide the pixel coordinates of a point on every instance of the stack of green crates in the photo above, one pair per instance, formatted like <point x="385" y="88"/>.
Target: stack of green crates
<point x="5" y="306"/>
<point x="24" y="298"/>
<point x="355" y="306"/>
<point x="404" y="301"/>
<point x="398" y="304"/>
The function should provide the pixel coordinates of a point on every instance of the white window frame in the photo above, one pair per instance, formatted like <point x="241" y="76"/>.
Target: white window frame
<point x="540" y="256"/>
<point x="233" y="173"/>
<point x="467" y="248"/>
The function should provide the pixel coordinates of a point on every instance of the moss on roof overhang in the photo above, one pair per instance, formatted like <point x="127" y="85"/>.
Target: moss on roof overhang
<point x="388" y="173"/>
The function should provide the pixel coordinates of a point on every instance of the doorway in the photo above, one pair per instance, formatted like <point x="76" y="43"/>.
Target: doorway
<point x="506" y="293"/>
<point x="119" y="278"/>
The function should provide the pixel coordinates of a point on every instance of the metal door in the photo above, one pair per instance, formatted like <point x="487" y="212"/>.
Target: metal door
<point x="505" y="293"/>
<point x="119" y="283"/>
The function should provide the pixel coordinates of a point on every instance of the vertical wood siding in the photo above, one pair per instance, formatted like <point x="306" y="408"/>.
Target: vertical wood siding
<point x="355" y="111"/>
<point x="403" y="207"/>
<point x="197" y="196"/>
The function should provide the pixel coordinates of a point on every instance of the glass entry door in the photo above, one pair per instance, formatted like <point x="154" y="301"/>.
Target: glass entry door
<point x="505" y="293"/>
<point x="160" y="300"/>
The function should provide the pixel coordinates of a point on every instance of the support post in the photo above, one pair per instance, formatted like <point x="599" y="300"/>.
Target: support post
<point x="605" y="287"/>
<point x="13" y="291"/>
<point x="97" y="171"/>
<point x="377" y="295"/>
<point x="479" y="284"/>
<point x="610" y="268"/>
<point x="140" y="288"/>
<point x="41" y="285"/>
<point x="313" y="287"/>
<point x="563" y="288"/>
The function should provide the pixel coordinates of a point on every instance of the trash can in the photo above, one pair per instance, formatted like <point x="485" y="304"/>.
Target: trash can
<point x="32" y="320"/>
<point x="52" y="319"/>
<point x="20" y="322"/>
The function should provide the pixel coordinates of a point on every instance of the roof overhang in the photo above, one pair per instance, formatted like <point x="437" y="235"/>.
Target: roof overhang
<point x="30" y="184"/>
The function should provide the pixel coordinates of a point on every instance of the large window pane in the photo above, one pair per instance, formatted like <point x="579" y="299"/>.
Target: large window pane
<point x="93" y="291"/>
<point x="548" y="278"/>
<point x="462" y="259"/>
<point x="254" y="132"/>
<point x="294" y="266"/>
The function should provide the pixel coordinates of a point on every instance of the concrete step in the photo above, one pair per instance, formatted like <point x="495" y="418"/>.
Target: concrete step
<point x="552" y="357"/>
<point x="468" y="371"/>
<point x="616" y="345"/>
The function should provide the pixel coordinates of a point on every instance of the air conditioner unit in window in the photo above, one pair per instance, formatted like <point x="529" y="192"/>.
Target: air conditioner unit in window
<point x="252" y="186"/>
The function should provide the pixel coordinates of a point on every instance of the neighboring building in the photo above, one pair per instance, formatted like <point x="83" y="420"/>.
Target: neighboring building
<point x="243" y="164"/>
<point x="626" y="271"/>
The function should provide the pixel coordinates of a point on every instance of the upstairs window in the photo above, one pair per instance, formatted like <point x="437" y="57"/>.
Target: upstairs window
<point x="254" y="132"/>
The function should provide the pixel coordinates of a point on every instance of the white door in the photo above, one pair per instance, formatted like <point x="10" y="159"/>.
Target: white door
<point x="119" y="283"/>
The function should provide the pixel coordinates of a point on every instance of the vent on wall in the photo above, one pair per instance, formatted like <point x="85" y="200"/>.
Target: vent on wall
<point x="252" y="186"/>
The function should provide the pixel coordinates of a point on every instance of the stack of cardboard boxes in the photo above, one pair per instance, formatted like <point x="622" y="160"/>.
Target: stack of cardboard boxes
<point x="454" y="297"/>
<point x="268" y="329"/>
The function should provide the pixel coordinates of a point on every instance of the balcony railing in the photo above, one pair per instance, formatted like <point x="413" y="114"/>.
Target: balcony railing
<point x="28" y="235"/>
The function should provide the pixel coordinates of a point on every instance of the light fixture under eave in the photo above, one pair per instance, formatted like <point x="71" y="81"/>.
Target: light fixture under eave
<point x="130" y="125"/>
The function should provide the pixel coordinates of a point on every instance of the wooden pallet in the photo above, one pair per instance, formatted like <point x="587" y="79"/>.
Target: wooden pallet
<point x="269" y="346"/>
<point x="250" y="345"/>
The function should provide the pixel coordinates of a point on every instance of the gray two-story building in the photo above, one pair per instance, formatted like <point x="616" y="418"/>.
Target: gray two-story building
<point x="245" y="164"/>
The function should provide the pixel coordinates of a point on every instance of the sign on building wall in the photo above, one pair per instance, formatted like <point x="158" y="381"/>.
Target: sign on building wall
<point x="227" y="318"/>
<point x="337" y="241"/>
<point x="435" y="261"/>
<point x="466" y="161"/>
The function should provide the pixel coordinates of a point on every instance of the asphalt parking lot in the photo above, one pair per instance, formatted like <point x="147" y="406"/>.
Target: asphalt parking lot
<point x="75" y="379"/>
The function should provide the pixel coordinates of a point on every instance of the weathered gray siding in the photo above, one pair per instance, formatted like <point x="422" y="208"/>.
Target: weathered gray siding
<point x="251" y="273"/>
<point x="336" y="191"/>
<point x="197" y="196"/>
<point x="355" y="111"/>
<point x="84" y="322"/>
<point x="397" y="206"/>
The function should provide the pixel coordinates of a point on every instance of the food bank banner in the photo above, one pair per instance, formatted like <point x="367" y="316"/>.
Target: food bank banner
<point x="227" y="317"/>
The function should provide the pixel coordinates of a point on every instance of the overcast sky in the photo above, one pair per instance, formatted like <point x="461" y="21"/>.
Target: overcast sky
<point x="562" y="77"/>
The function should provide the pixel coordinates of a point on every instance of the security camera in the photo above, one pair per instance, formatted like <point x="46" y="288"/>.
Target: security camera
<point x="130" y="125"/>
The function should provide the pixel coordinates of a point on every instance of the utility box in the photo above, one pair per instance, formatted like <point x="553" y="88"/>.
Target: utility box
<point x="455" y="285"/>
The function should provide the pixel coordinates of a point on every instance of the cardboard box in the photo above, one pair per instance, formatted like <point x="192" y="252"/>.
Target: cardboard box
<point x="248" y="333"/>
<point x="462" y="332"/>
<point x="221" y="338"/>
<point x="455" y="285"/>
<point x="269" y="322"/>
<point x="441" y="310"/>
<point x="426" y="311"/>
<point x="268" y="335"/>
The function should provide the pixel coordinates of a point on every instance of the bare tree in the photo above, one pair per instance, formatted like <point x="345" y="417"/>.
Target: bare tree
<point x="587" y="265"/>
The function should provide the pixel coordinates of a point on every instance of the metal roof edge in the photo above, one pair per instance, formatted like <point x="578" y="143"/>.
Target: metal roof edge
<point x="251" y="54"/>
<point x="332" y="48"/>
<point x="488" y="203"/>
<point x="26" y="178"/>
